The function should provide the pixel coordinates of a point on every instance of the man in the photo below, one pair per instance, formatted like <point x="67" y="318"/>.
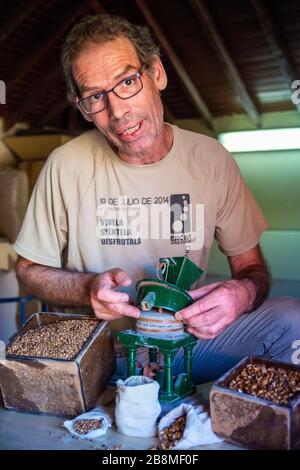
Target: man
<point x="80" y="220"/>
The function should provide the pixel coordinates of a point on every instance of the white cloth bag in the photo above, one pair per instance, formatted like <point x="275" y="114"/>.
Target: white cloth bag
<point x="98" y="412"/>
<point x="137" y="406"/>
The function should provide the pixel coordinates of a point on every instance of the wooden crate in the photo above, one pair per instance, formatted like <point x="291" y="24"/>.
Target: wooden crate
<point x="251" y="421"/>
<point x="58" y="386"/>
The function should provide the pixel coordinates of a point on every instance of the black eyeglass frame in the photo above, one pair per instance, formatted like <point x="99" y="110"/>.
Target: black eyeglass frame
<point x="137" y="74"/>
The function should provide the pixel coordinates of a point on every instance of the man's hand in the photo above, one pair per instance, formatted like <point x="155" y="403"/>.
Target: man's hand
<point x="215" y="307"/>
<point x="60" y="287"/>
<point x="107" y="303"/>
<point x="219" y="304"/>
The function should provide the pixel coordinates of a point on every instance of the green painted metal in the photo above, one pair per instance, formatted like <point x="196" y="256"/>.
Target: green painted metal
<point x="169" y="293"/>
<point x="148" y="301"/>
<point x="178" y="274"/>
<point x="170" y="389"/>
<point x="183" y="384"/>
<point x="165" y="295"/>
<point x="179" y="271"/>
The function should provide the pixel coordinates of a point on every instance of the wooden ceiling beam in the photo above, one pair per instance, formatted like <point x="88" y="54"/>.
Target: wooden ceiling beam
<point x="45" y="43"/>
<point x="15" y="17"/>
<point x="185" y="79"/>
<point x="36" y="94"/>
<point x="276" y="44"/>
<point x="222" y="53"/>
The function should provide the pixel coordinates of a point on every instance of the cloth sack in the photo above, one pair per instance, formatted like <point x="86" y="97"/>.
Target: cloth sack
<point x="197" y="429"/>
<point x="137" y="406"/>
<point x="98" y="412"/>
<point x="14" y="199"/>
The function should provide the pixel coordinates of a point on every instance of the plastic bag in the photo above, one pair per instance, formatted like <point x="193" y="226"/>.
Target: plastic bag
<point x="197" y="430"/>
<point x="99" y="414"/>
<point x="137" y="406"/>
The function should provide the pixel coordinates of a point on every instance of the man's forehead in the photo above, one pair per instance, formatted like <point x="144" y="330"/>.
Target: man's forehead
<point x="107" y="61"/>
<point x="119" y="49"/>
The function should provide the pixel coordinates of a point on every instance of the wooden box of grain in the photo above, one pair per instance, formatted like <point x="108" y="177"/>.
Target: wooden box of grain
<point x="258" y="421"/>
<point x="58" y="386"/>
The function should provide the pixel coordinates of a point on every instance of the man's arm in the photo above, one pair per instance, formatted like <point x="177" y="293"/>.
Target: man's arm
<point x="251" y="267"/>
<point x="218" y="305"/>
<point x="60" y="287"/>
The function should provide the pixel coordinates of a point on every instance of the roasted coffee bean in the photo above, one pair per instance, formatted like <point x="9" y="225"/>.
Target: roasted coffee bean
<point x="275" y="384"/>
<point x="170" y="436"/>
<point x="83" y="426"/>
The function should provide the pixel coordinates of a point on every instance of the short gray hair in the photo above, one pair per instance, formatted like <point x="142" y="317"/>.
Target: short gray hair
<point x="100" y="29"/>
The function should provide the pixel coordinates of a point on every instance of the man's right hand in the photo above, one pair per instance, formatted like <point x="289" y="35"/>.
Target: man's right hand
<point x="107" y="303"/>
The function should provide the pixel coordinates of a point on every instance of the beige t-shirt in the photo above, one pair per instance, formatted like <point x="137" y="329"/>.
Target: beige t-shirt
<point x="90" y="211"/>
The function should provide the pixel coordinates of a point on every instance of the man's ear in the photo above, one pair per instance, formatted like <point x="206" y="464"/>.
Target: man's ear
<point x="87" y="117"/>
<point x="159" y="74"/>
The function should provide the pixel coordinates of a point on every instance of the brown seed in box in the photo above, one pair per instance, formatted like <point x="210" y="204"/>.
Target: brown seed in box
<point x="59" y="340"/>
<point x="276" y="385"/>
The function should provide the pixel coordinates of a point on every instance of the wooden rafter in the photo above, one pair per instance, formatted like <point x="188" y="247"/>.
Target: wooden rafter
<point x="185" y="79"/>
<point x="36" y="94"/>
<point x="275" y="42"/>
<point x="15" y="17"/>
<point x="45" y="43"/>
<point x="232" y="73"/>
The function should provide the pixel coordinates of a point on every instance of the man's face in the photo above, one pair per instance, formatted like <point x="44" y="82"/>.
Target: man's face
<point x="134" y="125"/>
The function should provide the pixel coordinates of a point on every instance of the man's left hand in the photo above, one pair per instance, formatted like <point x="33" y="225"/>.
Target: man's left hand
<point x="215" y="307"/>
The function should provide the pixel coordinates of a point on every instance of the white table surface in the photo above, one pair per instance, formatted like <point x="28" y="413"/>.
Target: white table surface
<point x="26" y="431"/>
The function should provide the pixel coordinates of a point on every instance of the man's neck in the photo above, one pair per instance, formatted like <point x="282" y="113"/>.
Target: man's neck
<point x="153" y="155"/>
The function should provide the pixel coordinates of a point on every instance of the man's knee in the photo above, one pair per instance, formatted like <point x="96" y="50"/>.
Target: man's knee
<point x="284" y="310"/>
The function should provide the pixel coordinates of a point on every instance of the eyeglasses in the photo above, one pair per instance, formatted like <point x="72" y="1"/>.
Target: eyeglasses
<point x="126" y="88"/>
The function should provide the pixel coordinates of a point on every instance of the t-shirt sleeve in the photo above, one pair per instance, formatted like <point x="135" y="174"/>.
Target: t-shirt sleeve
<point x="43" y="235"/>
<point x="240" y="221"/>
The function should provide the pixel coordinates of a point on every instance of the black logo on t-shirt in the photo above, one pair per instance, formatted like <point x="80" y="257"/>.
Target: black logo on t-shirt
<point x="180" y="218"/>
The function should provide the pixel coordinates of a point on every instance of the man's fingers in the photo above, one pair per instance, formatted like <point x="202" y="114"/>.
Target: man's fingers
<point x="123" y="309"/>
<point x="217" y="324"/>
<point x="111" y="311"/>
<point x="202" y="291"/>
<point x="108" y="295"/>
<point x="106" y="316"/>
<point x="200" y="306"/>
<point x="103" y="286"/>
<point x="202" y="320"/>
<point x="101" y="311"/>
<point x="120" y="277"/>
<point x="195" y="332"/>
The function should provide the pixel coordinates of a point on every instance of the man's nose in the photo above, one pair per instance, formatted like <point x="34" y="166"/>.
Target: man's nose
<point x="117" y="107"/>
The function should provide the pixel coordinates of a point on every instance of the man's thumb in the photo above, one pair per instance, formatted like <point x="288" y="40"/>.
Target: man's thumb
<point x="122" y="278"/>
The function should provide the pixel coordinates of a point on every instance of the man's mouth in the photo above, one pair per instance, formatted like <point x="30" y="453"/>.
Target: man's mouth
<point x="130" y="130"/>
